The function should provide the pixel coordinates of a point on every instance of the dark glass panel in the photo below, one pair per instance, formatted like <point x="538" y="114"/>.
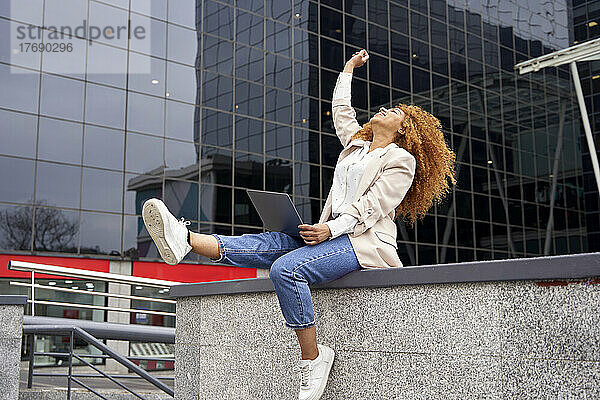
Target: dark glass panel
<point x="217" y="165"/>
<point x="306" y="146"/>
<point x="306" y="180"/>
<point x="331" y="23"/>
<point x="102" y="190"/>
<point x="100" y="233"/>
<point x="278" y="141"/>
<point x="378" y="39"/>
<point x="217" y="91"/>
<point x="248" y="134"/>
<point x="244" y="211"/>
<point x="215" y="203"/>
<point x="218" y="19"/>
<point x="248" y="171"/>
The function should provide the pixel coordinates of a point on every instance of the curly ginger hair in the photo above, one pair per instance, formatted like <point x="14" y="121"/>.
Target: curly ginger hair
<point x="423" y="138"/>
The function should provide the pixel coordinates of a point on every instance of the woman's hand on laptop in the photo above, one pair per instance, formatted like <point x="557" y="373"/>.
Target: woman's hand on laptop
<point x="314" y="234"/>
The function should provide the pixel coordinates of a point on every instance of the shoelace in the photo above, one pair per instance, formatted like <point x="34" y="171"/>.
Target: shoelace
<point x="304" y="374"/>
<point x="184" y="222"/>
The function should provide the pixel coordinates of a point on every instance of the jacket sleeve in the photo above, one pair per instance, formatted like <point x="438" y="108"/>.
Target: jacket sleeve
<point x="344" y="223"/>
<point x="344" y="116"/>
<point x="385" y="193"/>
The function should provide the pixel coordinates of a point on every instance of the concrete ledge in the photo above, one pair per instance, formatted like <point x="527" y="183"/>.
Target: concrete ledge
<point x="583" y="265"/>
<point x="525" y="328"/>
<point x="11" y="330"/>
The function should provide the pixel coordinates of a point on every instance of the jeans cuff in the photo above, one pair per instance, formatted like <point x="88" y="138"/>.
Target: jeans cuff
<point x="300" y="326"/>
<point x="221" y="249"/>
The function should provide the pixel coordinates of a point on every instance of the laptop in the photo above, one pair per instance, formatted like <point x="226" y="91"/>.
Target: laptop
<point x="277" y="211"/>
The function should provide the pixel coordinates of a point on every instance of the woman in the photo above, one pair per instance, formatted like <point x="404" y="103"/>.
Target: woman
<point x="397" y="163"/>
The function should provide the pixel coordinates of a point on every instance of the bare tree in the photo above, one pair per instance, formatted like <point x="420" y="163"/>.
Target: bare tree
<point x="53" y="230"/>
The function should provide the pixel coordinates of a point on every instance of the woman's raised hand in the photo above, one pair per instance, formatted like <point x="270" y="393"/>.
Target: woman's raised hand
<point x="359" y="58"/>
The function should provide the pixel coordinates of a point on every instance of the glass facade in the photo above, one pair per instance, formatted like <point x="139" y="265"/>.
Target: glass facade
<point x="237" y="95"/>
<point x="586" y="26"/>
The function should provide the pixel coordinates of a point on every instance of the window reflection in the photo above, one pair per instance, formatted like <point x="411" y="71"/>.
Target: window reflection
<point x="145" y="114"/>
<point x="249" y="63"/>
<point x="58" y="184"/>
<point x="60" y="140"/>
<point x="249" y="98"/>
<point x="15" y="227"/>
<point x="278" y="140"/>
<point x="157" y="46"/>
<point x="218" y="55"/>
<point x="216" y="203"/>
<point x="249" y="29"/>
<point x="249" y="134"/>
<point x="18" y="133"/>
<point x="218" y="19"/>
<point x="331" y="148"/>
<point x="184" y="12"/>
<point x="182" y="83"/>
<point x="181" y="121"/>
<point x="332" y="55"/>
<point x="217" y="91"/>
<point x="306" y="180"/>
<point x="144" y="153"/>
<point x="278" y="106"/>
<point x="217" y="128"/>
<point x="70" y="93"/>
<point x="356" y="32"/>
<point x="379" y="70"/>
<point x="378" y="12"/>
<point x="108" y="65"/>
<point x="20" y="90"/>
<point x="16" y="180"/>
<point x="105" y="106"/>
<point x="55" y="230"/>
<point x="378" y="39"/>
<point x="100" y="233"/>
<point x="217" y="165"/>
<point x="306" y="146"/>
<point x="243" y="210"/>
<point x="147" y="74"/>
<point x="278" y="38"/>
<point x="331" y="23"/>
<point x="102" y="190"/>
<point x="182" y="158"/>
<point x="278" y="72"/>
<point x="278" y="175"/>
<point x="248" y="171"/>
<point x="181" y="198"/>
<point x="183" y="45"/>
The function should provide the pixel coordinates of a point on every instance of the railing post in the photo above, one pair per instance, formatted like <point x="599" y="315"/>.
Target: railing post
<point x="70" y="367"/>
<point x="32" y="293"/>
<point x="31" y="361"/>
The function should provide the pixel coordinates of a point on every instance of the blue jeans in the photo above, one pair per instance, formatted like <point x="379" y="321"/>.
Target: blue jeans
<point x="293" y="265"/>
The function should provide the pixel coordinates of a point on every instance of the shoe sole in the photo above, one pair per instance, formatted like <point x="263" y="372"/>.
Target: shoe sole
<point x="329" y="355"/>
<point x="153" y="220"/>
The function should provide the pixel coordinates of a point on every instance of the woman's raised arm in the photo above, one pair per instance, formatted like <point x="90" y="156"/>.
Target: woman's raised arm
<point x="344" y="116"/>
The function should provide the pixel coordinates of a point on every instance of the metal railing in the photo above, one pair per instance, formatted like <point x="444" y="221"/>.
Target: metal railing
<point x="34" y="268"/>
<point x="73" y="332"/>
<point x="91" y="331"/>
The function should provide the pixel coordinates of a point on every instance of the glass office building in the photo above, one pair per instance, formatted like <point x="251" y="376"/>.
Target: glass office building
<point x="586" y="26"/>
<point x="229" y="95"/>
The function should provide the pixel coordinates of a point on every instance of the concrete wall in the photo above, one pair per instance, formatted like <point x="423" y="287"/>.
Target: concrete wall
<point x="120" y="346"/>
<point x="11" y="330"/>
<point x="504" y="339"/>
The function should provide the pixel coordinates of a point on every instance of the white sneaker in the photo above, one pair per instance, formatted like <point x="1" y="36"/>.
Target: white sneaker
<point x="314" y="374"/>
<point x="169" y="234"/>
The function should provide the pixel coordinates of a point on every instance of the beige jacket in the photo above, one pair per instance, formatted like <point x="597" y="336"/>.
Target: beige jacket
<point x="382" y="188"/>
